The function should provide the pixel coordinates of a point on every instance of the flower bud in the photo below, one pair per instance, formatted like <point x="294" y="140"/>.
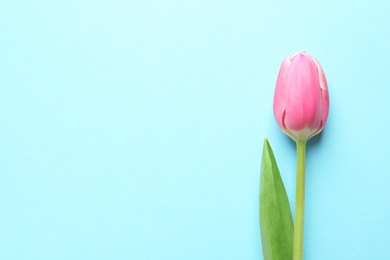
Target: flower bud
<point x="301" y="101"/>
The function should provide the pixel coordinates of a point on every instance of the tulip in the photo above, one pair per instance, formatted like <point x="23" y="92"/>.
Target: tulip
<point x="301" y="101"/>
<point x="301" y="107"/>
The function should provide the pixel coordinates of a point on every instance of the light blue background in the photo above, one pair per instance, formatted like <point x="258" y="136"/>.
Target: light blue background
<point x="134" y="129"/>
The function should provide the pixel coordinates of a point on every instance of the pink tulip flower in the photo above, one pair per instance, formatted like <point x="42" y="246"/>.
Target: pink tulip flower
<point x="301" y="101"/>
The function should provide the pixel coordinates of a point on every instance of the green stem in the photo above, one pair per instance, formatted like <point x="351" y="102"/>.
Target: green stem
<point x="299" y="201"/>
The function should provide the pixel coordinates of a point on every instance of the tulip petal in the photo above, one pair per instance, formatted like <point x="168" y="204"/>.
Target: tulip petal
<point x="324" y="92"/>
<point x="303" y="95"/>
<point x="279" y="100"/>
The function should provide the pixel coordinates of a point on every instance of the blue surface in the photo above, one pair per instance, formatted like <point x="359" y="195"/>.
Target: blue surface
<point x="134" y="129"/>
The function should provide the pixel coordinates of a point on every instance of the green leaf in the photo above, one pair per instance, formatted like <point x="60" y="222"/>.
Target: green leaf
<point x="276" y="222"/>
